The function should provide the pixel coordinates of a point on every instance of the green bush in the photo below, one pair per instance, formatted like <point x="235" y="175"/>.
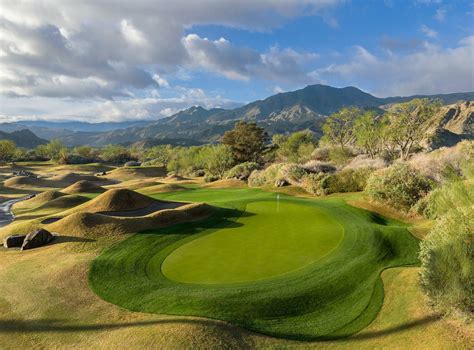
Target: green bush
<point x="348" y="180"/>
<point x="257" y="178"/>
<point x="312" y="183"/>
<point x="447" y="262"/>
<point x="442" y="199"/>
<point x="399" y="186"/>
<point x="242" y="171"/>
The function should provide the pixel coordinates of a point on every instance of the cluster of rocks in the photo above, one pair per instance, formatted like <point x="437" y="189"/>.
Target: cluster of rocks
<point x="33" y="239"/>
<point x="103" y="173"/>
<point x="24" y="173"/>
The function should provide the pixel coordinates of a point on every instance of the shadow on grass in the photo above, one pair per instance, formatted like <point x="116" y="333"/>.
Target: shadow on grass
<point x="68" y="239"/>
<point x="396" y="329"/>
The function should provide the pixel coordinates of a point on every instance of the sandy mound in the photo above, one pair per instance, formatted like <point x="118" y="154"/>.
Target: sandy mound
<point x="70" y="178"/>
<point x="136" y="184"/>
<point x="117" y="200"/>
<point x="27" y="182"/>
<point x="83" y="186"/>
<point x="94" y="224"/>
<point x="226" y="183"/>
<point x="161" y="188"/>
<point x="172" y="178"/>
<point x="125" y="174"/>
<point x="64" y="202"/>
<point x="39" y="199"/>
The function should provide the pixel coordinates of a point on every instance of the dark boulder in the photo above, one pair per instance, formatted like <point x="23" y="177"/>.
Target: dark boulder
<point x="13" y="241"/>
<point x="36" y="239"/>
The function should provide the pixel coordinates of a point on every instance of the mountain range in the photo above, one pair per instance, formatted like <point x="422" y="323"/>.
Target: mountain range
<point x="286" y="112"/>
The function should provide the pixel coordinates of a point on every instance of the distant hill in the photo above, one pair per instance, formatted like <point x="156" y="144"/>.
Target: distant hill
<point x="23" y="138"/>
<point x="286" y="112"/>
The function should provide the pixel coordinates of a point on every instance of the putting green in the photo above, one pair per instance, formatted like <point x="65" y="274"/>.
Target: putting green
<point x="269" y="240"/>
<point x="310" y="271"/>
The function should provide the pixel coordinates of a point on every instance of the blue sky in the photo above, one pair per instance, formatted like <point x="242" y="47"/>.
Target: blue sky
<point x="119" y="60"/>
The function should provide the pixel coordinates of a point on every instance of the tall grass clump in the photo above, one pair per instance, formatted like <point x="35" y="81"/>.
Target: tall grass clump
<point x="447" y="263"/>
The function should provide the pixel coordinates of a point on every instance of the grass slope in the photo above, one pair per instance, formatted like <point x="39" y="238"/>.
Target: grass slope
<point x="336" y="296"/>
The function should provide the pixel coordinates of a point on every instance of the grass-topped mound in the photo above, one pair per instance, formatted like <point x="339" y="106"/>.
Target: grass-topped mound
<point x="83" y="186"/>
<point x="294" y="268"/>
<point x="161" y="188"/>
<point x="38" y="200"/>
<point x="70" y="178"/>
<point x="84" y="224"/>
<point x="126" y="173"/>
<point x="117" y="200"/>
<point x="28" y="182"/>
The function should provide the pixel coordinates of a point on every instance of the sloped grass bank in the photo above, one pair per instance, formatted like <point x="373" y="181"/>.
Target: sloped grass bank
<point x="333" y="296"/>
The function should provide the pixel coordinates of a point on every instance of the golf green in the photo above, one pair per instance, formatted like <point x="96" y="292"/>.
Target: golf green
<point x="308" y="269"/>
<point x="272" y="238"/>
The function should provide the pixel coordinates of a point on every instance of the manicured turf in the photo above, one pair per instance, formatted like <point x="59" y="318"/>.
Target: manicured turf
<point x="271" y="239"/>
<point x="318" y="296"/>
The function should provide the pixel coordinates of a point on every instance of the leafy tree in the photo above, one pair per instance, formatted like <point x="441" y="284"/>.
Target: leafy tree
<point x="409" y="122"/>
<point x="86" y="152"/>
<point x="339" y="127"/>
<point x="246" y="141"/>
<point x="56" y="150"/>
<point x="115" y="154"/>
<point x="369" y="131"/>
<point x="161" y="154"/>
<point x="297" y="147"/>
<point x="7" y="150"/>
<point x="216" y="159"/>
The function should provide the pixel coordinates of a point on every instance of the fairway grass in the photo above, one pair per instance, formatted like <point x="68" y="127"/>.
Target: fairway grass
<point x="329" y="288"/>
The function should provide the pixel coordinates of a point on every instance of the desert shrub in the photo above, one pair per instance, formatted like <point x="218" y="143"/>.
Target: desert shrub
<point x="442" y="199"/>
<point x="115" y="154"/>
<point x="340" y="156"/>
<point x="257" y="178"/>
<point x="242" y="171"/>
<point x="348" y="180"/>
<point x="445" y="163"/>
<point x="399" y="186"/>
<point x="292" y="173"/>
<point x="363" y="161"/>
<point x="210" y="178"/>
<point x="321" y="154"/>
<point x="447" y="262"/>
<point x="311" y="183"/>
<point x="315" y="166"/>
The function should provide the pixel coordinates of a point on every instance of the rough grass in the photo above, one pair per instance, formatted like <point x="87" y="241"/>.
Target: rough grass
<point x="334" y="297"/>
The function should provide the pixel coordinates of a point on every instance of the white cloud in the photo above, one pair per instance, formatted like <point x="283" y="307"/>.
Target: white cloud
<point x="431" y="70"/>
<point x="431" y="33"/>
<point x="149" y="107"/>
<point x="440" y="14"/>
<point x="132" y="34"/>
<point x="220" y="56"/>
<point x="126" y="43"/>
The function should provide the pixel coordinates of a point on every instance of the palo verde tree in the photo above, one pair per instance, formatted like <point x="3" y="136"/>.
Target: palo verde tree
<point x="339" y="127"/>
<point x="246" y="141"/>
<point x="409" y="122"/>
<point x="296" y="147"/>
<point x="369" y="131"/>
